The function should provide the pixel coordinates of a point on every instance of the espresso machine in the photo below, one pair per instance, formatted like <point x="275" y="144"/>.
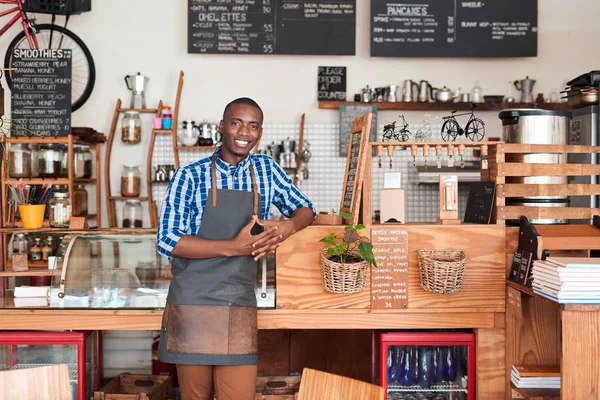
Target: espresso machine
<point x="137" y="84"/>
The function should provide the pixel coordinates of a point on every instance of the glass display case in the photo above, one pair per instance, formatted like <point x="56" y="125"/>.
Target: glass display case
<point x="425" y="365"/>
<point x="123" y="270"/>
<point x="78" y="350"/>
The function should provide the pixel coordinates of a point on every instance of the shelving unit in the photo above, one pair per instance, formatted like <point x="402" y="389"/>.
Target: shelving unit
<point x="436" y="106"/>
<point x="9" y="228"/>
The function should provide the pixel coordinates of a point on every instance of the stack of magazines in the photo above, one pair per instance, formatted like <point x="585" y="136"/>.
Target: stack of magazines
<point x="567" y="279"/>
<point x="535" y="376"/>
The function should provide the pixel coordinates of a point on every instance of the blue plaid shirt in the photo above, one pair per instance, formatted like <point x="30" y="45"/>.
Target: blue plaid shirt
<point x="185" y="200"/>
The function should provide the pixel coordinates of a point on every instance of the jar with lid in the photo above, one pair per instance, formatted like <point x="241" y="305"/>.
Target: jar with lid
<point x="82" y="161"/>
<point x="132" y="214"/>
<point x="50" y="161"/>
<point x="131" y="127"/>
<point x="20" y="244"/>
<point x="48" y="248"/>
<point x="60" y="210"/>
<point x="35" y="160"/>
<point x="20" y="161"/>
<point x="80" y="201"/>
<point x="36" y="250"/>
<point x="131" y="181"/>
<point x="167" y="117"/>
<point x="64" y="160"/>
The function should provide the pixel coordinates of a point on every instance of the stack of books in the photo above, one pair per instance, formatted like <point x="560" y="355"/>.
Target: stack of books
<point x="568" y="279"/>
<point x="535" y="376"/>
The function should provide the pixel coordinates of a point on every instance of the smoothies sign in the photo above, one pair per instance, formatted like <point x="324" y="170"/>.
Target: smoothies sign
<point x="389" y="281"/>
<point x="41" y="95"/>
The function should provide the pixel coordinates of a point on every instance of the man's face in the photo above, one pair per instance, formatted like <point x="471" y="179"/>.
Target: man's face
<point x="241" y="128"/>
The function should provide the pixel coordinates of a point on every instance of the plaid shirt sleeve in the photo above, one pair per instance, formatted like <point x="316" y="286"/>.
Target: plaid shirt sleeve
<point x="174" y="220"/>
<point x="287" y="197"/>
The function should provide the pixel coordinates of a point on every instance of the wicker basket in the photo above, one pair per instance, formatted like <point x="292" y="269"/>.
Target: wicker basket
<point x="442" y="271"/>
<point x="342" y="278"/>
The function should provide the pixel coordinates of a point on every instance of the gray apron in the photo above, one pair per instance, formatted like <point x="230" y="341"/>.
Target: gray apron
<point x="210" y="315"/>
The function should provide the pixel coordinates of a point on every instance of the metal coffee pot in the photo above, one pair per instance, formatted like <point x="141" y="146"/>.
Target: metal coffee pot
<point x="391" y="93"/>
<point x="188" y="134"/>
<point x="525" y="86"/>
<point x="445" y="95"/>
<point x="137" y="84"/>
<point x="407" y="90"/>
<point x="368" y="95"/>
<point x="425" y="92"/>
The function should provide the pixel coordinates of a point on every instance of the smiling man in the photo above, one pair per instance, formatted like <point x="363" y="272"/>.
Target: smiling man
<point x="214" y="227"/>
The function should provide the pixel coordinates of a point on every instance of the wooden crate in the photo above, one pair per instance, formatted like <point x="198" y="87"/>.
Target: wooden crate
<point x="277" y="387"/>
<point x="502" y="165"/>
<point x="136" y="387"/>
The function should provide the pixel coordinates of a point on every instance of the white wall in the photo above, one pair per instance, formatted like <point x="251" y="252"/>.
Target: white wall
<point x="150" y="36"/>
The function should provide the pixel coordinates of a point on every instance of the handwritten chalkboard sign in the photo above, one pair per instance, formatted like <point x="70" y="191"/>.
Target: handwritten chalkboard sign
<point x="325" y="27"/>
<point x="480" y="202"/>
<point x="519" y="270"/>
<point x="332" y="83"/>
<point x="355" y="166"/>
<point x="442" y="28"/>
<point x="41" y="95"/>
<point x="350" y="112"/>
<point x="389" y="281"/>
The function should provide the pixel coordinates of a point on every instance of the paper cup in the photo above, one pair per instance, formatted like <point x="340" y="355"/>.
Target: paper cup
<point x="32" y="215"/>
<point x="157" y="123"/>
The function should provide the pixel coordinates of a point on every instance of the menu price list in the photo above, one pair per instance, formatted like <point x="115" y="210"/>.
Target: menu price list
<point x="41" y="95"/>
<point x="272" y="27"/>
<point x="352" y="167"/>
<point x="424" y="28"/>
<point x="389" y="281"/>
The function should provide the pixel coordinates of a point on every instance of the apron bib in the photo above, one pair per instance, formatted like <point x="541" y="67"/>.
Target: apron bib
<point x="210" y="317"/>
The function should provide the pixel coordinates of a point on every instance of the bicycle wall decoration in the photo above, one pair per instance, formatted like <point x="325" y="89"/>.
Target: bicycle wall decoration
<point x="402" y="134"/>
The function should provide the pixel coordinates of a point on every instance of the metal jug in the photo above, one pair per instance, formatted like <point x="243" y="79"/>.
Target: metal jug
<point x="407" y="90"/>
<point x="391" y="93"/>
<point x="137" y="84"/>
<point x="525" y="86"/>
<point x="425" y="92"/>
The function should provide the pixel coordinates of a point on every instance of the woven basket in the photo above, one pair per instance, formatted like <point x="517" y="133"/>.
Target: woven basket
<point x="442" y="271"/>
<point x="342" y="278"/>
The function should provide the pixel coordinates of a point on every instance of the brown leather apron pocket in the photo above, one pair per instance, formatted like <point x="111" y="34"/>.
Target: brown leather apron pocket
<point x="211" y="329"/>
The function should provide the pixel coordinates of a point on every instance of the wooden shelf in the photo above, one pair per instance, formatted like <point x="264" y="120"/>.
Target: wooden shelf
<point x="334" y="105"/>
<point x="565" y="307"/>
<point x="159" y="182"/>
<point x="140" y="110"/>
<point x="31" y="264"/>
<point x="84" y="180"/>
<point x="31" y="272"/>
<point x="41" y="181"/>
<point x="37" y="139"/>
<point x="196" y="147"/>
<point x="127" y="198"/>
<point x="537" y="394"/>
<point x="163" y="130"/>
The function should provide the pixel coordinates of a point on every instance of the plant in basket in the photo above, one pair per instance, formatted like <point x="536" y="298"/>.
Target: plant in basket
<point x="345" y="261"/>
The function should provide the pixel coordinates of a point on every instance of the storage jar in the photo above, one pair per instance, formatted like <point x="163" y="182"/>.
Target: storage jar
<point x="20" y="244"/>
<point x="131" y="181"/>
<point x="50" y="161"/>
<point x="19" y="161"/>
<point x="132" y="214"/>
<point x="82" y="162"/>
<point x="35" y="160"/>
<point x="131" y="127"/>
<point x="64" y="160"/>
<point x="80" y="201"/>
<point x="60" y="210"/>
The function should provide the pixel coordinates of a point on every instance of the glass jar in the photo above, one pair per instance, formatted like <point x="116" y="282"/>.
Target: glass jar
<point x="60" y="210"/>
<point x="64" y="160"/>
<point x="48" y="248"/>
<point x="35" y="160"/>
<point x="80" y="201"/>
<point x="20" y="244"/>
<point x="20" y="161"/>
<point x="36" y="250"/>
<point x="131" y="127"/>
<point x="131" y="181"/>
<point x="50" y="161"/>
<point x="82" y="162"/>
<point x="132" y="214"/>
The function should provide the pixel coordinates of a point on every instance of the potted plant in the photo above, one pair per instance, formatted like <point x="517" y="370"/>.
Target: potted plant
<point x="345" y="261"/>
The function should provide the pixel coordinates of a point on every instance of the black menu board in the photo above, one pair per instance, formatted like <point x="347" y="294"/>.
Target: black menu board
<point x="41" y="94"/>
<point x="324" y="27"/>
<point x="350" y="112"/>
<point x="480" y="202"/>
<point x="332" y="83"/>
<point x="519" y="270"/>
<point x="453" y="28"/>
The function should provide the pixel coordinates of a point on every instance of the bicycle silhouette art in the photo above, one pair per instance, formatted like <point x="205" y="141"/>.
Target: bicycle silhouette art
<point x="474" y="130"/>
<point x="391" y="134"/>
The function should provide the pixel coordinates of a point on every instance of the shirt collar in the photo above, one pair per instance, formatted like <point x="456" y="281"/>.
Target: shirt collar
<point x="226" y="168"/>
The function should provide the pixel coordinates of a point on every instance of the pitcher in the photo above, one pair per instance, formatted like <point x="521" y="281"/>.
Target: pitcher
<point x="525" y="86"/>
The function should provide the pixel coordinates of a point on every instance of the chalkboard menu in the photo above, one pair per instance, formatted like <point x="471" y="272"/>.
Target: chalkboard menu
<point x="389" y="281"/>
<point x="519" y="270"/>
<point x="324" y="27"/>
<point x="446" y="28"/>
<point x="350" y="112"/>
<point x="355" y="167"/>
<point x="480" y="202"/>
<point x="41" y="95"/>
<point x="332" y="83"/>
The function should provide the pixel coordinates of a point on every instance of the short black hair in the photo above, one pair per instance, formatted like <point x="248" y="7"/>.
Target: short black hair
<point x="246" y="101"/>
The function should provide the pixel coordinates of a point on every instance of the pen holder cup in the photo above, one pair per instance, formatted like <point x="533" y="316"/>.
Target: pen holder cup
<point x="32" y="215"/>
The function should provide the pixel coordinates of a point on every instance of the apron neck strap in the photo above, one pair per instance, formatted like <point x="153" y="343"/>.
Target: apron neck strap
<point x="214" y="184"/>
